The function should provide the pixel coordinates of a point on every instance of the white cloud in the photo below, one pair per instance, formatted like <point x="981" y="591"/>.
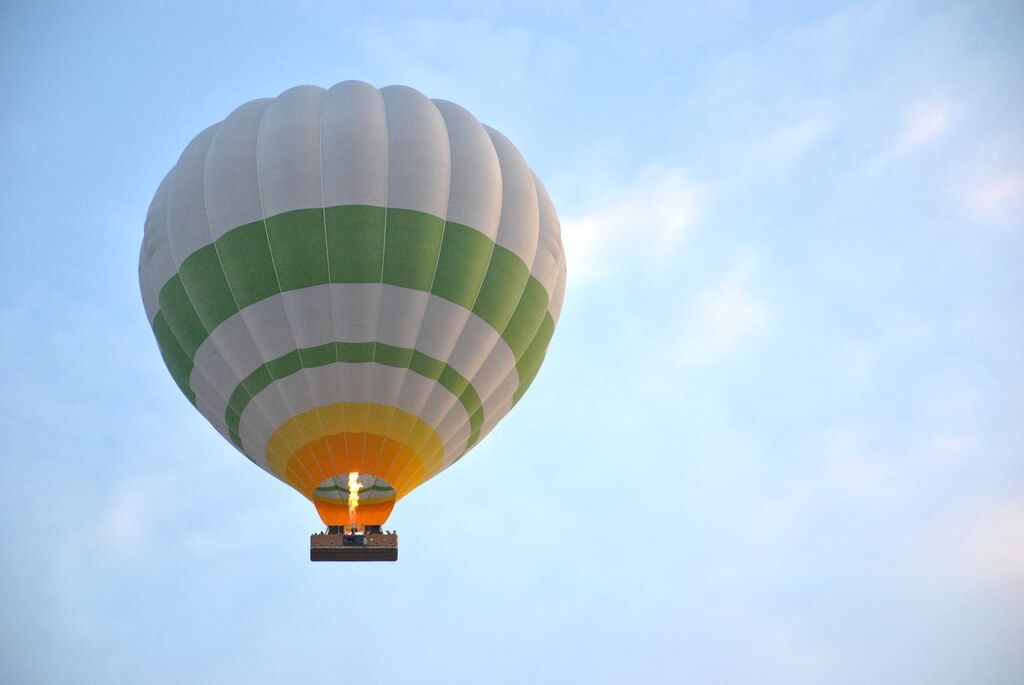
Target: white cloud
<point x="486" y="66"/>
<point x="128" y="525"/>
<point x="996" y="195"/>
<point x="783" y="514"/>
<point x="982" y="544"/>
<point x="728" y="315"/>
<point x="852" y="465"/>
<point x="998" y="543"/>
<point x="646" y="218"/>
<point x="786" y="145"/>
<point x="792" y="647"/>
<point x="924" y="122"/>
<point x="858" y="359"/>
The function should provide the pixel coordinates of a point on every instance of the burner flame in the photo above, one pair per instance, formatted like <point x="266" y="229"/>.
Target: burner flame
<point x="353" y="496"/>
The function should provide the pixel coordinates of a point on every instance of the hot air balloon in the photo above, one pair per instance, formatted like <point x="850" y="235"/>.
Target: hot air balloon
<point x="353" y="286"/>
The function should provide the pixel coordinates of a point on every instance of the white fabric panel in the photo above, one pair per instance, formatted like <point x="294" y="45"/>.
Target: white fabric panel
<point x="496" y="399"/>
<point x="454" y="433"/>
<point x="402" y="312"/>
<point x="222" y="362"/>
<point x="232" y="189"/>
<point x="419" y="162"/>
<point x="455" y="452"/>
<point x="475" y="344"/>
<point x="482" y="356"/>
<point x="288" y="152"/>
<point x="188" y="231"/>
<point x="389" y="385"/>
<point x="456" y="425"/>
<point x="491" y="374"/>
<point x="271" y="331"/>
<point x="309" y="315"/>
<point x="492" y="421"/>
<point x="354" y="151"/>
<point x="322" y="381"/>
<point x="227" y="356"/>
<point x="255" y="421"/>
<point x="309" y="311"/>
<point x="215" y="383"/>
<point x="519" y="212"/>
<point x="150" y="300"/>
<point x="263" y="321"/>
<point x="187" y="227"/>
<point x="474" y="334"/>
<point x="156" y="215"/>
<point x="401" y="315"/>
<point x="288" y="173"/>
<point x="496" y="405"/>
<point x="155" y="263"/>
<point x="439" y="404"/>
<point x="161" y="264"/>
<point x="209" y="413"/>
<point x="496" y="381"/>
<point x="475" y="201"/>
<point x="355" y="145"/>
<point x="419" y="175"/>
<point x="443" y="325"/>
<point x="499" y="400"/>
<point x="260" y="417"/>
<point x="368" y="391"/>
<point x="211" y="403"/>
<point x="497" y="388"/>
<point x="555" y="307"/>
<point x="213" y="394"/>
<point x="269" y="327"/>
<point x="475" y="190"/>
<point x="549" y="246"/>
<point x="355" y="311"/>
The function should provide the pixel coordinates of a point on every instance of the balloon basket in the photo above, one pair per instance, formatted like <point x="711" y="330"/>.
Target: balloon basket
<point x="368" y="544"/>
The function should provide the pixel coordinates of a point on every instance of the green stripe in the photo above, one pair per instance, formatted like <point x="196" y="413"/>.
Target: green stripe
<point x="507" y="276"/>
<point x="411" y="250"/>
<point x="238" y="270"/>
<point x="529" y="364"/>
<point x="397" y="357"/>
<point x="177" y="360"/>
<point x="519" y="333"/>
<point x="182" y="318"/>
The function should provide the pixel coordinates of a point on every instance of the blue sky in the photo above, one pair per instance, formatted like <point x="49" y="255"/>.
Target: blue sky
<point x="783" y="405"/>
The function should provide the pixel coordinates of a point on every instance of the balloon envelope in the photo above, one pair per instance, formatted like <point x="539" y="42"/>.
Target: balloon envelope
<point x="352" y="280"/>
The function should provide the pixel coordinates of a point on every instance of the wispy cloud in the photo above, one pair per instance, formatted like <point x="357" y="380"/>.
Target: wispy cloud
<point x="127" y="527"/>
<point x="482" y="62"/>
<point x="647" y="217"/>
<point x="785" y="145"/>
<point x="996" y="549"/>
<point x="861" y="464"/>
<point x="924" y="122"/>
<point x="849" y="465"/>
<point x="981" y="544"/>
<point x="728" y="315"/>
<point x="996" y="195"/>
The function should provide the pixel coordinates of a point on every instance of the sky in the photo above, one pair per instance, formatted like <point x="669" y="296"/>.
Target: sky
<point x="779" y="434"/>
